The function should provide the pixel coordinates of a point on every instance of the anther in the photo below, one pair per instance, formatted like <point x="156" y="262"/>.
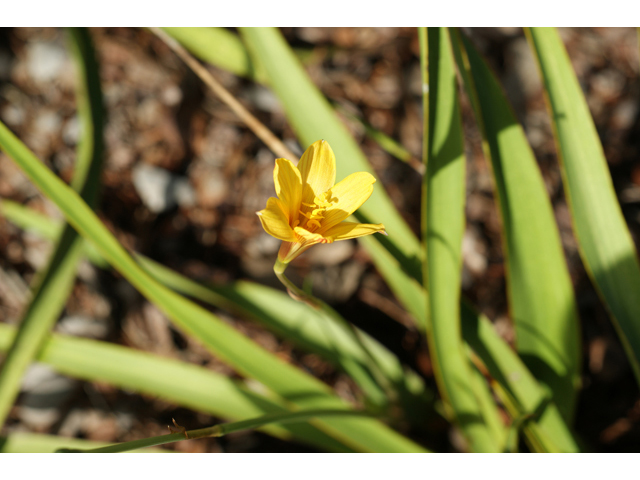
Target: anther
<point x="311" y="223"/>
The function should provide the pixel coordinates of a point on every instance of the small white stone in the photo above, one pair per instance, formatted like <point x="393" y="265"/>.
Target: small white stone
<point x="161" y="190"/>
<point x="45" y="61"/>
<point x="83" y="326"/>
<point x="47" y="123"/>
<point x="13" y="115"/>
<point x="152" y="184"/>
<point x="171" y="95"/>
<point x="71" y="131"/>
<point x="183" y="192"/>
<point x="264" y="99"/>
<point x="40" y="378"/>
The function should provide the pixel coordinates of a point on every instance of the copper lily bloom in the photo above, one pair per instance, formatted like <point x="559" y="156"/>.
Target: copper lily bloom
<point x="310" y="209"/>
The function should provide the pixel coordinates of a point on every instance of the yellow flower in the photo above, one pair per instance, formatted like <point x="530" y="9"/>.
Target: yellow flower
<point x="310" y="209"/>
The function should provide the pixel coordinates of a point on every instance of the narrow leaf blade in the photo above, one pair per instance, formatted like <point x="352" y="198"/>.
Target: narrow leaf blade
<point x="443" y="206"/>
<point x="542" y="301"/>
<point x="53" y="285"/>
<point x="604" y="241"/>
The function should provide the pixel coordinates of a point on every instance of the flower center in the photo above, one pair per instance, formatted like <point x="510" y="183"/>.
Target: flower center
<point x="314" y="213"/>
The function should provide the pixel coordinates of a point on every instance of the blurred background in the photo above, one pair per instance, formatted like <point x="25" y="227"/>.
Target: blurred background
<point x="183" y="179"/>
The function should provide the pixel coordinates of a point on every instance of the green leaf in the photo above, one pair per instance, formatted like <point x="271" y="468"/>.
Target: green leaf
<point x="542" y="301"/>
<point x="220" y="47"/>
<point x="308" y="328"/>
<point x="604" y="241"/>
<point x="230" y="346"/>
<point x="188" y="385"/>
<point x="388" y="144"/>
<point x="487" y="405"/>
<point x="545" y="430"/>
<point x="221" y="430"/>
<point x="53" y="285"/>
<point x="35" y="222"/>
<point x="406" y="288"/>
<point x="38" y="443"/>
<point x="443" y="207"/>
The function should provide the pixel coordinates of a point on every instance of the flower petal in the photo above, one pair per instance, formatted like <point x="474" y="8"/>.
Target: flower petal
<point x="317" y="170"/>
<point x="288" y="187"/>
<point x="274" y="221"/>
<point x="346" y="230"/>
<point x="350" y="194"/>
<point x="290" y="250"/>
<point x="308" y="238"/>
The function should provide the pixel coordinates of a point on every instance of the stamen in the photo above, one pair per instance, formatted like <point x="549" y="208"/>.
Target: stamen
<point x="312" y="223"/>
<point x="318" y="207"/>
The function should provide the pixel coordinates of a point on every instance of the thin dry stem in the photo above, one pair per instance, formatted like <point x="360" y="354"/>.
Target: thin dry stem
<point x="256" y="126"/>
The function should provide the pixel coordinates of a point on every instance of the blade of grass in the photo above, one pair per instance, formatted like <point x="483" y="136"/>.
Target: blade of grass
<point x="443" y="206"/>
<point x="604" y="241"/>
<point x="293" y="320"/>
<point x="545" y="430"/>
<point x="423" y="39"/>
<point x="308" y="328"/>
<point x="312" y="117"/>
<point x="220" y="430"/>
<point x="53" y="285"/>
<point x="387" y="143"/>
<point x="487" y="405"/>
<point x="542" y="301"/>
<point x="406" y="288"/>
<point x="32" y="221"/>
<point x="232" y="347"/>
<point x="188" y="385"/>
<point x="22" y="442"/>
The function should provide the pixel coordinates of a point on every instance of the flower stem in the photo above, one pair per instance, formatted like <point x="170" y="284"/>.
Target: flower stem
<point x="300" y="295"/>
<point x="219" y="430"/>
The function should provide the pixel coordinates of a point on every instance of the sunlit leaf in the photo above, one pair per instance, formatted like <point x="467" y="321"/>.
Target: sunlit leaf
<point x="605" y="245"/>
<point x="541" y="297"/>
<point x="443" y="208"/>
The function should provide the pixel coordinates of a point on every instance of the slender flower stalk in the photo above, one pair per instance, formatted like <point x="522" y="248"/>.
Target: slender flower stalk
<point x="311" y="209"/>
<point x="302" y="296"/>
<point x="180" y="433"/>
